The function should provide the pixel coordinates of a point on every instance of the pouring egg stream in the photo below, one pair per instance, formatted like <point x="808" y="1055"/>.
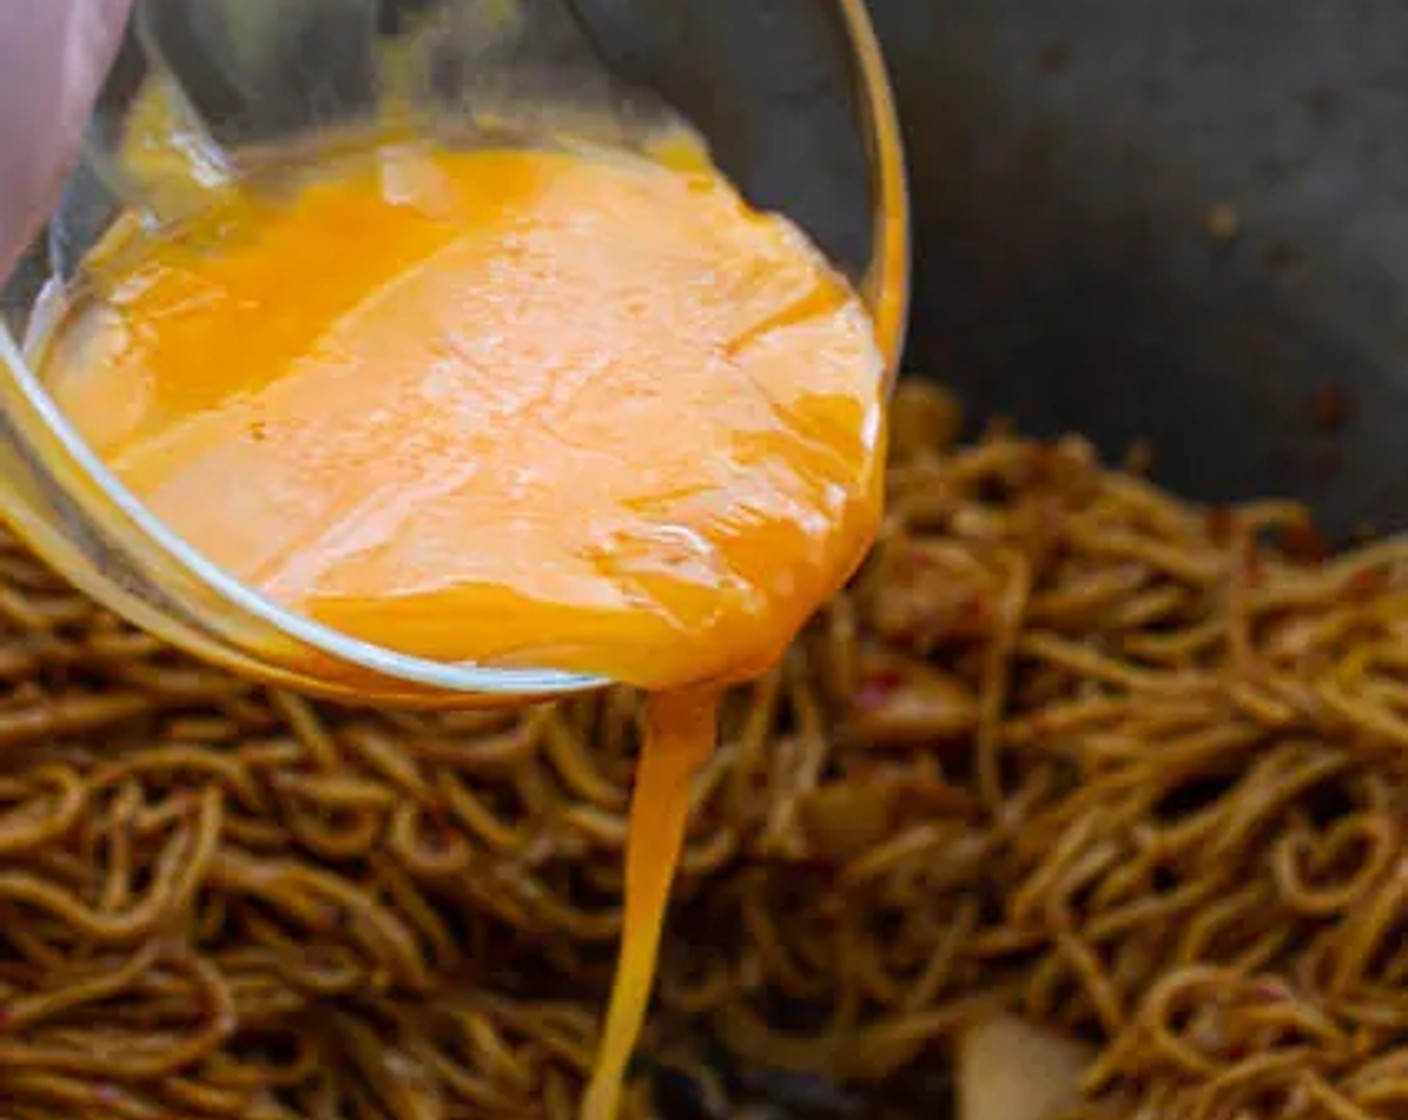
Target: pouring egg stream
<point x="522" y="406"/>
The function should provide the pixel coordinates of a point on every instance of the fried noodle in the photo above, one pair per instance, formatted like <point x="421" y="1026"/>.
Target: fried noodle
<point x="1068" y="746"/>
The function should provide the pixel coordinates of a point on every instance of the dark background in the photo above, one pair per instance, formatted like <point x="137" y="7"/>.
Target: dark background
<point x="1078" y="167"/>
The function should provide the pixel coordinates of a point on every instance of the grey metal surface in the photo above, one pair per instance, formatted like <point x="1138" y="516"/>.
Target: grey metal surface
<point x="1078" y="166"/>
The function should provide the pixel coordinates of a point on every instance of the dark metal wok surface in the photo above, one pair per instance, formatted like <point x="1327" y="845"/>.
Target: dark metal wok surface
<point x="1186" y="222"/>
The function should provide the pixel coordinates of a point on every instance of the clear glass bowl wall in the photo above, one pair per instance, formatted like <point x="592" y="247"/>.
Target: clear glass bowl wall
<point x="791" y="95"/>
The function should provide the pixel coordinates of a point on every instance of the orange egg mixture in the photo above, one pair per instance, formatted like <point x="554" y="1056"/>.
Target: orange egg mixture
<point x="513" y="406"/>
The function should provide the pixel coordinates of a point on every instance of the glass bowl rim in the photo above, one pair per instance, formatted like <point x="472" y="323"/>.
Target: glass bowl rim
<point x="887" y="283"/>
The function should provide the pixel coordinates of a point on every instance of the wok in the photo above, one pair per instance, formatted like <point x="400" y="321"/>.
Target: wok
<point x="1185" y="224"/>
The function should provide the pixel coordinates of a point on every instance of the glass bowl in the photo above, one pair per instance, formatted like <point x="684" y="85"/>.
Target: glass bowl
<point x="791" y="96"/>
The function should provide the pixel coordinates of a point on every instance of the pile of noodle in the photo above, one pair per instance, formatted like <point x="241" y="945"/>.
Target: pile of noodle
<point x="1069" y="746"/>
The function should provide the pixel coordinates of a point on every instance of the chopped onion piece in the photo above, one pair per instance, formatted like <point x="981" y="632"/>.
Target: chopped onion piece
<point x="1008" y="1070"/>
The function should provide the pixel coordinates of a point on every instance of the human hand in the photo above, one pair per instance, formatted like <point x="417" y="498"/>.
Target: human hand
<point x="54" y="56"/>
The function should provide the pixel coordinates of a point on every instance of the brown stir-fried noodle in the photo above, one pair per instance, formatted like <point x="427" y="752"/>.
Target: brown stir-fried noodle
<point x="1069" y="746"/>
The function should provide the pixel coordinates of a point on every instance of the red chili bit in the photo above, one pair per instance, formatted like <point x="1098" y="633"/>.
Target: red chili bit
<point x="877" y="690"/>
<point x="1364" y="583"/>
<point x="1220" y="523"/>
<point x="1304" y="542"/>
<point x="7" y="1021"/>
